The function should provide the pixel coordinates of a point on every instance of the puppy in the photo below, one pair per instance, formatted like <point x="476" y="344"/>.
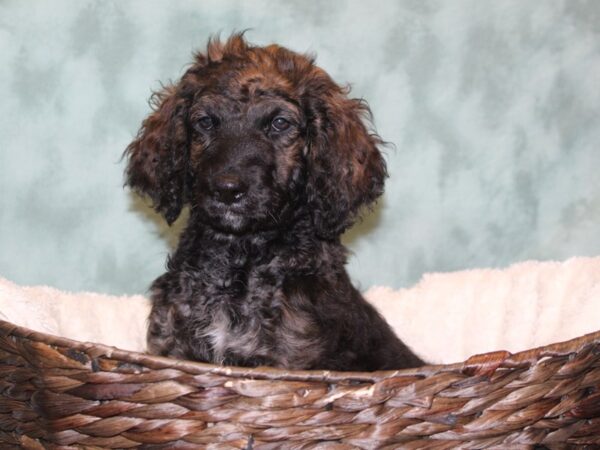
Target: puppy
<point x="275" y="162"/>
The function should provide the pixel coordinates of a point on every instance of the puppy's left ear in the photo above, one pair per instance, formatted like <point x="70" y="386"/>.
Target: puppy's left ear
<point x="158" y="157"/>
<point x="346" y="169"/>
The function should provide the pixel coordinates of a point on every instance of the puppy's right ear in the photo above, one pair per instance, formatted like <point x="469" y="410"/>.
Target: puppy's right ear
<point x="158" y="157"/>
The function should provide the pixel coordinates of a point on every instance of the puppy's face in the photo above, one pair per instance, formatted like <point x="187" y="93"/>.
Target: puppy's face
<point x="250" y="138"/>
<point x="246" y="150"/>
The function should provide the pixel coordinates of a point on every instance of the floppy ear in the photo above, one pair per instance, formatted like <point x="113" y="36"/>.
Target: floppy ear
<point x="158" y="157"/>
<point x="346" y="170"/>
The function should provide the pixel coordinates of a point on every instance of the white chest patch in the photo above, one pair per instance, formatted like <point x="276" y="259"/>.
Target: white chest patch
<point x="225" y="339"/>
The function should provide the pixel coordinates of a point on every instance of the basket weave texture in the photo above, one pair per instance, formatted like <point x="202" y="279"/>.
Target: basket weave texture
<point x="60" y="393"/>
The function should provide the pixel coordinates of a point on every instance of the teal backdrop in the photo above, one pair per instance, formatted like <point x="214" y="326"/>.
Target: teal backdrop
<point x="492" y="108"/>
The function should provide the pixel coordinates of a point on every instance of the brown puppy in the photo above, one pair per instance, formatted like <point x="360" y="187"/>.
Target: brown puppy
<point x="275" y="162"/>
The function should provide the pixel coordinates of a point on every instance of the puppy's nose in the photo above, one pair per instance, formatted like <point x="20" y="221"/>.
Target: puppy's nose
<point x="228" y="188"/>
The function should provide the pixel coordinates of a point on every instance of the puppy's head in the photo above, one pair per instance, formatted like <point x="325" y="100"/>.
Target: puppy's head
<point x="252" y="136"/>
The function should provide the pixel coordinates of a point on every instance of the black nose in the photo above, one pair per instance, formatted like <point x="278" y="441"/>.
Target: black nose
<point x="228" y="188"/>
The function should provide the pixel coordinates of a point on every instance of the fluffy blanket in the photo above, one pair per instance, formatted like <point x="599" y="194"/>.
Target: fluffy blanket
<point x="446" y="317"/>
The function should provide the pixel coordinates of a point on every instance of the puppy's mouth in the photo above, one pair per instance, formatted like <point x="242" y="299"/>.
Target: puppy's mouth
<point x="239" y="217"/>
<point x="240" y="206"/>
<point x="219" y="210"/>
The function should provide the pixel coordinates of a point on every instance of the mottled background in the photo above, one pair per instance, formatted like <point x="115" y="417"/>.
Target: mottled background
<point x="492" y="106"/>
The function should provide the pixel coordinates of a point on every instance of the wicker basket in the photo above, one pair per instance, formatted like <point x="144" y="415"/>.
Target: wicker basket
<point x="60" y="393"/>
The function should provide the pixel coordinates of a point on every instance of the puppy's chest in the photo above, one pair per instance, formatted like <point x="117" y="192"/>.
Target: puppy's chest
<point x="248" y="318"/>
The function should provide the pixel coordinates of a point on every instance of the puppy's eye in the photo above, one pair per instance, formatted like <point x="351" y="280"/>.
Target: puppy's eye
<point x="206" y="123"/>
<point x="280" y="124"/>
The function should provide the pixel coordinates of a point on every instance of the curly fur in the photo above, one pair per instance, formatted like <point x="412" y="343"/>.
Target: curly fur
<point x="275" y="162"/>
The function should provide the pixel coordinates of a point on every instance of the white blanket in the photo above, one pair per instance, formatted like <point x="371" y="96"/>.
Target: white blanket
<point x="446" y="317"/>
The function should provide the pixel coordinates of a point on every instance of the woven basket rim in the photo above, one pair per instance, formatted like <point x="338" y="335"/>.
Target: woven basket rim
<point x="475" y="365"/>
